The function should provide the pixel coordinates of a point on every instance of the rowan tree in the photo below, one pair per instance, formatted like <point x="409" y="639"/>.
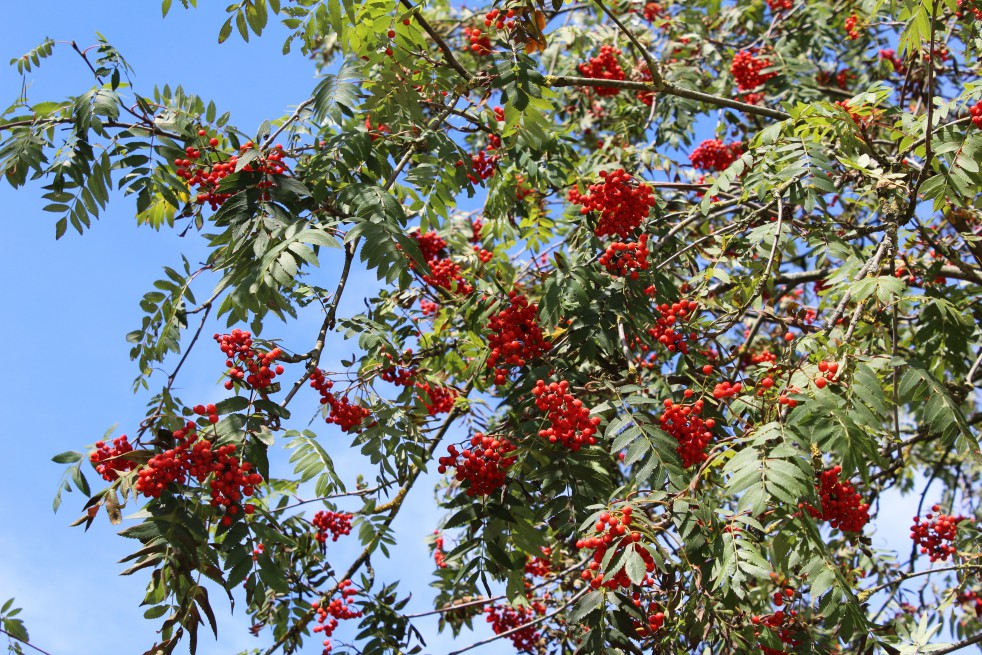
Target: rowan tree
<point x="671" y="294"/>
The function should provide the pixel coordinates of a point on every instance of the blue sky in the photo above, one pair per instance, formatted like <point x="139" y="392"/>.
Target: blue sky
<point x="69" y="304"/>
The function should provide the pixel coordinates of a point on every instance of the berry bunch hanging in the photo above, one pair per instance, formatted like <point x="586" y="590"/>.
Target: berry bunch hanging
<point x="626" y="259"/>
<point x="935" y="535"/>
<point x="604" y="66"/>
<point x="208" y="176"/>
<point x="253" y="368"/>
<point x="714" y="155"/>
<point x="842" y="506"/>
<point x="667" y="329"/>
<point x="746" y="69"/>
<point x="109" y="461"/>
<point x="514" y="336"/>
<point x="505" y="618"/>
<point x="976" y="113"/>
<point x="334" y="523"/>
<point x="193" y="457"/>
<point x="570" y="422"/>
<point x="621" y="201"/>
<point x="483" y="466"/>
<point x="614" y="532"/>
<point x="691" y="432"/>
<point x="342" y="412"/>
<point x="339" y="609"/>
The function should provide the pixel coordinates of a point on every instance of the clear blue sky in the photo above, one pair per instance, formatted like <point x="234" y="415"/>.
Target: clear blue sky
<point x="69" y="304"/>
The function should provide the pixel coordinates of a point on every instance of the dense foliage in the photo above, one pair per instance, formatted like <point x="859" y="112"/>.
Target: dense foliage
<point x="693" y="283"/>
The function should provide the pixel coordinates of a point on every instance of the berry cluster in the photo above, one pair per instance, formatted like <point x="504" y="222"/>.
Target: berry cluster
<point x="841" y="505"/>
<point x="746" y="70"/>
<point x="339" y="609"/>
<point x="109" y="461"/>
<point x="726" y="389"/>
<point x="604" y="66"/>
<point x="437" y="398"/>
<point x="936" y="534"/>
<point x="626" y="259"/>
<point x="480" y="43"/>
<point x="714" y="155"/>
<point x="483" y="465"/>
<point x="254" y="368"/>
<point x="655" y="619"/>
<point x="973" y="6"/>
<point x="208" y="176"/>
<point x="973" y="598"/>
<point x="349" y="417"/>
<point x="336" y="523"/>
<point x="444" y="273"/>
<point x="401" y="376"/>
<point x="976" y="114"/>
<point x="652" y="11"/>
<point x="438" y="557"/>
<point x="500" y="19"/>
<point x="616" y="533"/>
<point x="778" y="5"/>
<point x="897" y="62"/>
<point x="570" y="422"/>
<point x="505" y="618"/>
<point x="664" y="330"/>
<point x="375" y="131"/>
<point x="828" y="369"/>
<point x="514" y="336"/>
<point x="781" y="622"/>
<point x="622" y="203"/>
<point x="539" y="567"/>
<point x="689" y="429"/>
<point x="194" y="457"/>
<point x="850" y="27"/>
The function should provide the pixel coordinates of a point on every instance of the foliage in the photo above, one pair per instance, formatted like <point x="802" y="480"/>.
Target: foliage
<point x="691" y="282"/>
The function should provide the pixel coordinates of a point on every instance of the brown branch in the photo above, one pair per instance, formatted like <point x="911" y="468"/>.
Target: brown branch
<point x="666" y="88"/>
<point x="446" y="49"/>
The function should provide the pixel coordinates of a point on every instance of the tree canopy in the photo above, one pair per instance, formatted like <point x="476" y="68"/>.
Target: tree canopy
<point x="670" y="294"/>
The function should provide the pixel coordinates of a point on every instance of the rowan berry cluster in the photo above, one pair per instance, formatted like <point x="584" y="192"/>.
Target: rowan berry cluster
<point x="850" y="27"/>
<point x="437" y="398"/>
<point x="480" y="42"/>
<point x="252" y="367"/>
<point x="614" y="532"/>
<point x="604" y="66"/>
<point x="339" y="609"/>
<point x="208" y="176"/>
<point x="438" y="556"/>
<point x="431" y="244"/>
<point x="484" y="465"/>
<point x="897" y="62"/>
<point x="667" y="328"/>
<point x="973" y="6"/>
<point x="349" y="417"/>
<point x="514" y="336"/>
<point x="828" y="369"/>
<point x="483" y="165"/>
<point x="842" y="506"/>
<point x="626" y="259"/>
<point x="691" y="432"/>
<point x="444" y="273"/>
<point x="726" y="389"/>
<point x="622" y="203"/>
<point x="655" y="619"/>
<point x="500" y="19"/>
<point x="539" y="567"/>
<point x="335" y="523"/>
<point x="375" y="132"/>
<point x="936" y="533"/>
<point x="401" y="376"/>
<point x="781" y="622"/>
<point x="504" y="618"/>
<point x="652" y="11"/>
<point x="570" y="422"/>
<point x="778" y="5"/>
<point x="714" y="155"/>
<point x="193" y="457"/>
<point x="746" y="70"/>
<point x="109" y="461"/>
<point x="976" y="113"/>
<point x="971" y="598"/>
